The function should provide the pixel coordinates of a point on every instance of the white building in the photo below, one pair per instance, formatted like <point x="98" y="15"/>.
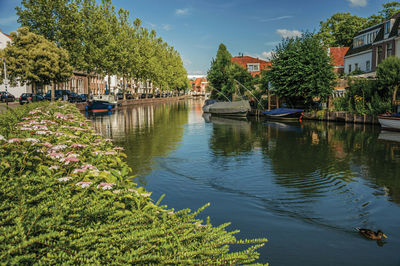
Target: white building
<point x="17" y="90"/>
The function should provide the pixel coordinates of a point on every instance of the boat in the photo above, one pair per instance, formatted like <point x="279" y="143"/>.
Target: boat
<point x="238" y="108"/>
<point x="207" y="104"/>
<point x="390" y="121"/>
<point x="101" y="103"/>
<point x="284" y="114"/>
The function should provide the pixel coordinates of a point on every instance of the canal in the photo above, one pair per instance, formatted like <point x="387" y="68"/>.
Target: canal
<point x="304" y="187"/>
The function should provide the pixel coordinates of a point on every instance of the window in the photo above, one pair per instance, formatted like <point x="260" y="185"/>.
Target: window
<point x="253" y="67"/>
<point x="368" y="65"/>
<point x="387" y="27"/>
<point x="380" y="54"/>
<point x="389" y="49"/>
<point x="349" y="68"/>
<point x="355" y="66"/>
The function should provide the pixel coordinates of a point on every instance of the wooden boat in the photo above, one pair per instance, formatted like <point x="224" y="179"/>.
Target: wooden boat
<point x="284" y="114"/>
<point x="207" y="104"/>
<point x="239" y="108"/>
<point x="101" y="103"/>
<point x="390" y="121"/>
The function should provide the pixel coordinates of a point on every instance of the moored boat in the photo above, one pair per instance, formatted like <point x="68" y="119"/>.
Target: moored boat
<point x="284" y="114"/>
<point x="101" y="103"/>
<point x="207" y="104"/>
<point x="238" y="108"/>
<point x="390" y="121"/>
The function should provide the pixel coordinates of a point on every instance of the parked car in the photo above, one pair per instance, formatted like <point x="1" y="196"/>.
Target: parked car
<point x="158" y="95"/>
<point x="85" y="97"/>
<point x="149" y="95"/>
<point x="29" y="98"/>
<point x="75" y="98"/>
<point x="142" y="96"/>
<point x="6" y="97"/>
<point x="58" y="94"/>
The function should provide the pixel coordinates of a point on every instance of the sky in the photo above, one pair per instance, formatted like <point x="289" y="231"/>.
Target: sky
<point x="195" y="28"/>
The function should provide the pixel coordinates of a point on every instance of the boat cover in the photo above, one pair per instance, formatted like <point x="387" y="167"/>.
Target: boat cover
<point x="229" y="107"/>
<point x="281" y="111"/>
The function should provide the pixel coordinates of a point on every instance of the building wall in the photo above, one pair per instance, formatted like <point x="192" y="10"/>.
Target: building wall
<point x="359" y="59"/>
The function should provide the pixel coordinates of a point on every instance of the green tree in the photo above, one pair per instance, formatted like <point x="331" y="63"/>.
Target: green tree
<point x="301" y="70"/>
<point x="340" y="28"/>
<point x="33" y="59"/>
<point x="388" y="75"/>
<point x="218" y="75"/>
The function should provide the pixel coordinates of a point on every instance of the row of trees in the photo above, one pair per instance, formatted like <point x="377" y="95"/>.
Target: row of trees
<point x="101" y="40"/>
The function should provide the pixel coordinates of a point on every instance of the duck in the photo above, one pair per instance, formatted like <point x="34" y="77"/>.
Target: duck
<point x="368" y="233"/>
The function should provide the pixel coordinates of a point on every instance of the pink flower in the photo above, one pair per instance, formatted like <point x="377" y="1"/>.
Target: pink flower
<point x="78" y="170"/>
<point x="84" y="184"/>
<point x="64" y="179"/>
<point x="25" y="128"/>
<point x="88" y="166"/>
<point x="119" y="148"/>
<point x="59" y="147"/>
<point x="48" y="145"/>
<point x="41" y="132"/>
<point x="97" y="140"/>
<point x="53" y="167"/>
<point x="105" y="186"/>
<point x="79" y="145"/>
<point x="55" y="155"/>
<point x="31" y="140"/>
<point x="14" y="140"/>
<point x="110" y="153"/>
<point x="68" y="160"/>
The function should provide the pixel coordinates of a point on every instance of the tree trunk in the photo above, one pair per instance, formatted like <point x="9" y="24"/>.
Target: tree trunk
<point x="269" y="100"/>
<point x="53" y="86"/>
<point x="394" y="95"/>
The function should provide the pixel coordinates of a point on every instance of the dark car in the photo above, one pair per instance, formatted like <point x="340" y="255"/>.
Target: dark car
<point x="75" y="98"/>
<point x="29" y="98"/>
<point x="85" y="97"/>
<point x="149" y="95"/>
<point x="6" y="97"/>
<point x="143" y="96"/>
<point x="158" y="95"/>
<point x="58" y="94"/>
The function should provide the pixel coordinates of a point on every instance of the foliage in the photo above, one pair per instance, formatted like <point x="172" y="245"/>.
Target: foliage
<point x="301" y="70"/>
<point x="66" y="198"/>
<point x="102" y="40"/>
<point x="340" y="28"/>
<point x="227" y="78"/>
<point x="31" y="58"/>
<point x="388" y="75"/>
<point x="363" y="96"/>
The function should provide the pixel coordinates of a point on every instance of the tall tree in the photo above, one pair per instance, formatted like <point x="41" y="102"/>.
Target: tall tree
<point x="340" y="28"/>
<point x="218" y="74"/>
<point x="31" y="58"/>
<point x="301" y="70"/>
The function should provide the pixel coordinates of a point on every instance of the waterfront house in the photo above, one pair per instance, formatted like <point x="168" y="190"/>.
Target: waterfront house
<point x="199" y="85"/>
<point x="372" y="45"/>
<point x="252" y="64"/>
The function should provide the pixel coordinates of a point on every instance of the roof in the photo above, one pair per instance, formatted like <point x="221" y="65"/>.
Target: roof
<point x="244" y="60"/>
<point x="337" y="55"/>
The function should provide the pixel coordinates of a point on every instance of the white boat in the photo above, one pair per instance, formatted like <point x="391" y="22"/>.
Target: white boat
<point x="101" y="103"/>
<point x="391" y="122"/>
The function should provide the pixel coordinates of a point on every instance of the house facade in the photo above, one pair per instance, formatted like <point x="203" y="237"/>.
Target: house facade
<point x="372" y="45"/>
<point x="252" y="64"/>
<point x="337" y="54"/>
<point x="198" y="86"/>
<point x="18" y="89"/>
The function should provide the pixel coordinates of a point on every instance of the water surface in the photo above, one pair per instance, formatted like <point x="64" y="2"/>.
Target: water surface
<point x="303" y="186"/>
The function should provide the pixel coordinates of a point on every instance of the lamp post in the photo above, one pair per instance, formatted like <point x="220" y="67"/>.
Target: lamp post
<point x="5" y="80"/>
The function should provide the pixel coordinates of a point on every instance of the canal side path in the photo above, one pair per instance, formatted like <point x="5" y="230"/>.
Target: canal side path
<point x="67" y="197"/>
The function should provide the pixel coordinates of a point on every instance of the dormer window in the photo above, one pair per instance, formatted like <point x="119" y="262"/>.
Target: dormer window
<point x="387" y="27"/>
<point x="253" y="67"/>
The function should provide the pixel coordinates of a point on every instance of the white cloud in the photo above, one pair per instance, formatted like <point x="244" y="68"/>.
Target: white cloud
<point x="182" y="11"/>
<point x="267" y="55"/>
<point x="271" y="43"/>
<point x="288" y="33"/>
<point x="166" y="27"/>
<point x="276" y="18"/>
<point x="358" y="2"/>
<point x="187" y="62"/>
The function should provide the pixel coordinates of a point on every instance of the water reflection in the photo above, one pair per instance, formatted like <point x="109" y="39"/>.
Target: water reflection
<point x="146" y="132"/>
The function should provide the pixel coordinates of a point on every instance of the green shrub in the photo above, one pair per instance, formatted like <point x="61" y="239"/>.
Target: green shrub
<point x="66" y="197"/>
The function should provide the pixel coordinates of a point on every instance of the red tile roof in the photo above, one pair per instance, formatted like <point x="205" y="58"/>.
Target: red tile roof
<point x="337" y="54"/>
<point x="244" y="60"/>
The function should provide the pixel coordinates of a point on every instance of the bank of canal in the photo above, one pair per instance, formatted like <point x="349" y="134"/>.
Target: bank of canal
<point x="303" y="186"/>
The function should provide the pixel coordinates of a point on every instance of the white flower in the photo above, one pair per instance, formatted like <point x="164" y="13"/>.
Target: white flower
<point x="2" y="138"/>
<point x="64" y="179"/>
<point x="84" y="184"/>
<point x="105" y="186"/>
<point x="31" y="140"/>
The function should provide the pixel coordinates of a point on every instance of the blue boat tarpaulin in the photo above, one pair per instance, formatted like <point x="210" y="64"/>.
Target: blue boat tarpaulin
<point x="280" y="111"/>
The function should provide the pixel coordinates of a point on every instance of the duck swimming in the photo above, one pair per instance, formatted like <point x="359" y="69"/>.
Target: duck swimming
<point x="368" y="233"/>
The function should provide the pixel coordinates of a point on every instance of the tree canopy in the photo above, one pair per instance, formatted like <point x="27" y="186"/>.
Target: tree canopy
<point x="104" y="41"/>
<point x="388" y="75"/>
<point x="301" y="70"/>
<point x="31" y="58"/>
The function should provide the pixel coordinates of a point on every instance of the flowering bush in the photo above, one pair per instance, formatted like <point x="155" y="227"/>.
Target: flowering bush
<point x="66" y="196"/>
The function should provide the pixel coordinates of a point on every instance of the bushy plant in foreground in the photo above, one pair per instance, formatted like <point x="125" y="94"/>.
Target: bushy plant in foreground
<point x="66" y="197"/>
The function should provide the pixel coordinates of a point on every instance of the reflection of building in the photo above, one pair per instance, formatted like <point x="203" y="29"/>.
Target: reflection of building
<point x="253" y="65"/>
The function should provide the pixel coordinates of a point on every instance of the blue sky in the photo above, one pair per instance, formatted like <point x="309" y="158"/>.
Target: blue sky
<point x="196" y="27"/>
